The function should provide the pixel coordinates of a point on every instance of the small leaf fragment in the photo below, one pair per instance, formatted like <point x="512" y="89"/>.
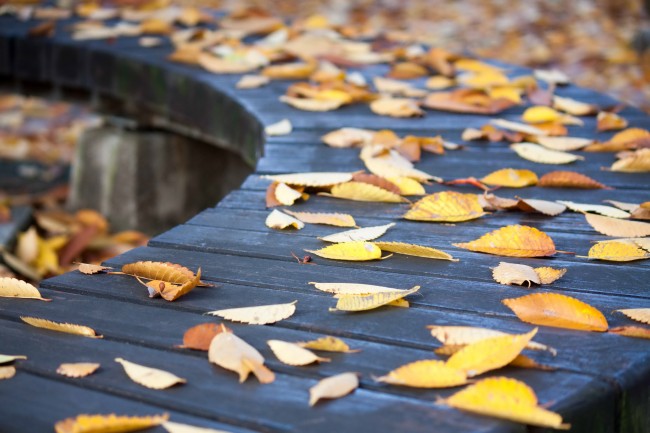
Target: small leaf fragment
<point x="88" y="269"/>
<point x="15" y="288"/>
<point x="252" y="81"/>
<point x="512" y="273"/>
<point x="293" y="354"/>
<point x="639" y="314"/>
<point x="7" y="371"/>
<point x="414" y="250"/>
<point x="68" y="328"/>
<point x="348" y="137"/>
<point x="429" y="373"/>
<point x="258" y="315"/>
<point x="327" y="344"/>
<point x="174" y="427"/>
<point x="108" y="423"/>
<point x="4" y="359"/>
<point x="286" y="195"/>
<point x="354" y="251"/>
<point x="332" y="219"/>
<point x="149" y="377"/>
<point x="363" y="234"/>
<point x="333" y="387"/>
<point x="631" y="331"/>
<point x="199" y="337"/>
<point x="283" y="127"/>
<point x="396" y="107"/>
<point x="513" y="241"/>
<point x="280" y="220"/>
<point x="548" y="275"/>
<point x="371" y="301"/>
<point x="77" y="369"/>
<point x="608" y="121"/>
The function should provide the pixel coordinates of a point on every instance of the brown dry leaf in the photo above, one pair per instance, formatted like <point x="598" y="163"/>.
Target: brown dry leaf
<point x="77" y="369"/>
<point x="271" y="201"/>
<point x="232" y="353"/>
<point x="634" y="162"/>
<point x="548" y="275"/>
<point x="631" y="331"/>
<point x="639" y="314"/>
<point x="311" y="179"/>
<point x="375" y="180"/>
<point x="513" y="241"/>
<point x="504" y="398"/>
<point x="7" y="372"/>
<point x="371" y="301"/>
<point x="148" y="377"/>
<point x="332" y="219"/>
<point x="68" y="328"/>
<point x="618" y="227"/>
<point x="293" y="354"/>
<point x="396" y="107"/>
<point x="279" y="220"/>
<point x="563" y="144"/>
<point x="312" y="104"/>
<point x="569" y="179"/>
<point x="617" y="252"/>
<point x="108" y="423"/>
<point x="328" y="344"/>
<point x="428" y="373"/>
<point x="361" y="191"/>
<point x="252" y="82"/>
<point x="536" y="153"/>
<point x="88" y="269"/>
<point x="492" y="202"/>
<point x="414" y="250"/>
<point x="15" y="288"/>
<point x="352" y="288"/>
<point x="511" y="178"/>
<point x="333" y="387"/>
<point x="544" y="207"/>
<point x="199" y="337"/>
<point x="353" y="251"/>
<point x="446" y="206"/>
<point x="553" y="309"/>
<point x="574" y="107"/>
<point x="489" y="354"/>
<point x="348" y="137"/>
<point x="467" y="101"/>
<point x="364" y="234"/>
<point x="163" y="271"/>
<point x="512" y="273"/>
<point x="258" y="315"/>
<point x="608" y="121"/>
<point x="463" y="335"/>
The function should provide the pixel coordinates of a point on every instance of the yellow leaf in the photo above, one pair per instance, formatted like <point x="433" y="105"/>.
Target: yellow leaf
<point x="639" y="314"/>
<point x="364" y="234"/>
<point x="414" y="250"/>
<point x="540" y="114"/>
<point x="290" y="71"/>
<point x="7" y="372"/>
<point x="407" y="186"/>
<point x="77" y="369"/>
<point x="15" y="288"/>
<point x="511" y="93"/>
<point x="163" y="271"/>
<point x="311" y="179"/>
<point x="283" y="127"/>
<point x="518" y="127"/>
<point x="352" y="288"/>
<point x="505" y="398"/>
<point x="108" y="423"/>
<point x="361" y="191"/>
<point x="174" y="427"/>
<point x="61" y="327"/>
<point x="286" y="195"/>
<point x="354" y="251"/>
<point x="372" y="301"/>
<point x="560" y="311"/>
<point x="597" y="208"/>
<point x="327" y="344"/>
<point x="228" y="65"/>
<point x="279" y="220"/>
<point x="490" y="353"/>
<point x="232" y="353"/>
<point x="396" y="107"/>
<point x="446" y="206"/>
<point x="4" y="359"/>
<point x="308" y="104"/>
<point x="439" y="82"/>
<point x="513" y="241"/>
<point x="564" y="144"/>
<point x="88" y="269"/>
<point x="348" y="137"/>
<point x="149" y="377"/>
<point x="394" y="165"/>
<point x="333" y="387"/>
<point x="608" y="121"/>
<point x="252" y="82"/>
<point x="511" y="178"/>
<point x="464" y="335"/>
<point x="512" y="273"/>
<point x="332" y="219"/>
<point x="473" y="65"/>
<point x="618" y="227"/>
<point x="631" y="331"/>
<point x="544" y="207"/>
<point x="293" y="354"/>
<point x="572" y="106"/>
<point x="617" y="252"/>
<point x="428" y="373"/>
<point x="548" y="275"/>
<point x="636" y="162"/>
<point x="259" y="315"/>
<point x="536" y="153"/>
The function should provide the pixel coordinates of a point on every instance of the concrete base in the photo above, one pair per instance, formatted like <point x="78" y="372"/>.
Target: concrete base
<point x="150" y="180"/>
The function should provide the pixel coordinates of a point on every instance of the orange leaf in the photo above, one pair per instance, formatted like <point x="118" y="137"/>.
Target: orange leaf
<point x="608" y="121"/>
<point x="553" y="309"/>
<point x="199" y="337"/>
<point x="467" y="101"/>
<point x="511" y="178"/>
<point x="569" y="179"/>
<point x="513" y="241"/>
<point x="407" y="71"/>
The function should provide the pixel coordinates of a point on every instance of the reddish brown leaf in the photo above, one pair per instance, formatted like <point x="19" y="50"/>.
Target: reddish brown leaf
<point x="569" y="179"/>
<point x="199" y="337"/>
<point x="271" y="201"/>
<point x="377" y="181"/>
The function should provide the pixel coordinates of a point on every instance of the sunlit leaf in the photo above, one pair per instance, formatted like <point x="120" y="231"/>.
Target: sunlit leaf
<point x="617" y="252"/>
<point x="279" y="220"/>
<point x="446" y="206"/>
<point x="563" y="144"/>
<point x="4" y="359"/>
<point x="252" y="81"/>
<point x="639" y="314"/>
<point x="518" y="127"/>
<point x="7" y="372"/>
<point x="544" y="207"/>
<point x="108" y="423"/>
<point x="512" y="273"/>
<point x="68" y="328"/>
<point x="512" y="178"/>
<point x="89" y="269"/>
<point x="429" y="373"/>
<point x="618" y="227"/>
<point x="513" y="241"/>
<point x="464" y="335"/>
<point x="361" y="191"/>
<point x="353" y="288"/>
<point x="536" y="153"/>
<point x="364" y="234"/>
<point x="308" y="104"/>
<point x="597" y="208"/>
<point x="354" y="251"/>
<point x="15" y="288"/>
<point x="372" y="301"/>
<point x="548" y="275"/>
<point x="258" y="315"/>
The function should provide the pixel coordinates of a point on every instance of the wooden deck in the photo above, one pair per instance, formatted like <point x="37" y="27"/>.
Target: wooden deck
<point x="602" y="381"/>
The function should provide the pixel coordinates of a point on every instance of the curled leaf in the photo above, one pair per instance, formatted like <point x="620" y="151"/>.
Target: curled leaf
<point x="333" y="387"/>
<point x="364" y="234"/>
<point x="414" y="250"/>
<point x="513" y="241"/>
<point x="258" y="315"/>
<point x="149" y="377"/>
<point x="286" y="195"/>
<point x="232" y="353"/>
<point x="68" y="328"/>
<point x="608" y="121"/>
<point x="354" y="251"/>
<point x="293" y="354"/>
<point x="429" y="373"/>
<point x="372" y="301"/>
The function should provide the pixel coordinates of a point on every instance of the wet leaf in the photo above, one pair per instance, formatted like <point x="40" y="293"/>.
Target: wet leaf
<point x="639" y="314"/>
<point x="560" y="311"/>
<point x="513" y="241"/>
<point x="312" y="179"/>
<point x="332" y="219"/>
<point x="361" y="191"/>
<point x="608" y="121"/>
<point x="512" y="273"/>
<point x="446" y="206"/>
<point x="258" y="315"/>
<point x="354" y="251"/>
<point x="279" y="220"/>
<point x="569" y="179"/>
<point x="293" y="354"/>
<point x="372" y="301"/>
<point x="15" y="288"/>
<point x="618" y="227"/>
<point x="617" y="252"/>
<point x="348" y="137"/>
<point x="429" y="373"/>
<point x="77" y="369"/>
<point x="68" y="328"/>
<point x="327" y="344"/>
<point x="199" y="337"/>
<point x="333" y="387"/>
<point x="512" y="178"/>
<point x="108" y="423"/>
<point x="232" y="353"/>
<point x="464" y="335"/>
<point x="396" y="107"/>
<point x="631" y="331"/>
<point x="283" y="127"/>
<point x="504" y="398"/>
<point x="536" y="153"/>
<point x="414" y="250"/>
<point x="364" y="234"/>
<point x="148" y="377"/>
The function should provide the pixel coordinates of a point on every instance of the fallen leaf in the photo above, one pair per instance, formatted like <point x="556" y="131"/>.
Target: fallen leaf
<point x="512" y="273"/>
<point x="489" y="354"/>
<point x="372" y="301"/>
<point x="396" y="107"/>
<point x="597" y="208"/>
<point x="428" y="373"/>
<point x="540" y="114"/>
<point x="333" y="387"/>
<point x="375" y="180"/>
<point x="511" y="178"/>
<point x="536" y="153"/>
<point x="68" y="328"/>
<point x="544" y="207"/>
<point x="148" y="377"/>
<point x="354" y="251"/>
<point x="504" y="398"/>
<point x="618" y="227"/>
<point x="397" y="88"/>
<point x="352" y="288"/>
<point x="464" y="335"/>
<point x="174" y="427"/>
<point x="446" y="206"/>
<point x="290" y="71"/>
<point x="394" y="165"/>
<point x="574" y="107"/>
<point x="636" y="162"/>
<point x="407" y="186"/>
<point x="226" y="65"/>
<point x="163" y="271"/>
<point x="548" y="275"/>
<point x="108" y="423"/>
<point x="414" y="250"/>
<point x="308" y="104"/>
<point x="439" y="82"/>
<point x="563" y="144"/>
<point x="199" y="337"/>
<point x="286" y="195"/>
<point x="560" y="311"/>
<point x="283" y="127"/>
<point x="631" y="331"/>
<point x="77" y="369"/>
<point x="608" y="121"/>
<point x="7" y="372"/>
<point x="4" y="359"/>
<point x="293" y="354"/>
<point x="312" y="179"/>
<point x="348" y="137"/>
<point x="332" y="219"/>
<point x="639" y="314"/>
<point x="492" y="202"/>
<point x="569" y="179"/>
<point x="513" y="241"/>
<point x="327" y="344"/>
<point x="518" y="127"/>
<point x="15" y="288"/>
<point x="258" y="315"/>
<point x="252" y="82"/>
<point x="467" y="101"/>
<point x="629" y="139"/>
<point x="232" y="353"/>
<point x="628" y="207"/>
<point x="617" y="252"/>
<point x="279" y="220"/>
<point x="364" y="234"/>
<point x="361" y="191"/>
<point x="89" y="269"/>
<point x="552" y="76"/>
